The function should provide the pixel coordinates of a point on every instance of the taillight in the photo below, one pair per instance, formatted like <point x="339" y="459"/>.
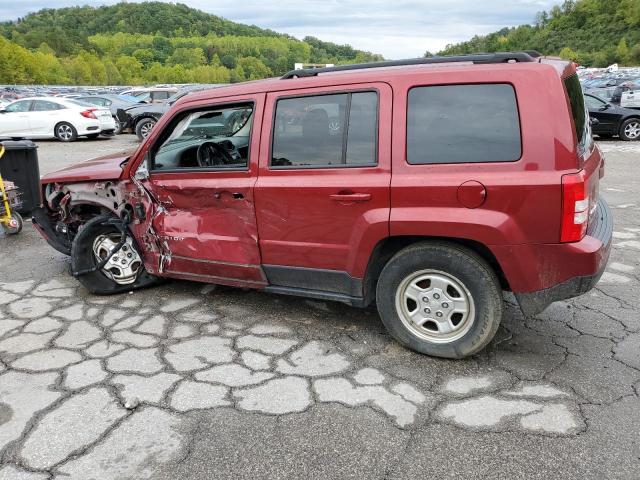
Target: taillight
<point x="575" y="208"/>
<point x="89" y="113"/>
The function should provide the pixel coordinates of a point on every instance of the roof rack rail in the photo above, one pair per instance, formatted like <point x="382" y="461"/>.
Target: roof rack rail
<point x="478" y="58"/>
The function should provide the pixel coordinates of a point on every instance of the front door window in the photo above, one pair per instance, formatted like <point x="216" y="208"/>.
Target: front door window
<point x="216" y="138"/>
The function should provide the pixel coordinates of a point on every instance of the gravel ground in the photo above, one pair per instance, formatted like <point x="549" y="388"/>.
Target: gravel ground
<point x="191" y="381"/>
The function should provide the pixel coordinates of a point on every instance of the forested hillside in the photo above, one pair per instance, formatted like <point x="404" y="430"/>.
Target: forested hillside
<point x="152" y="42"/>
<point x="592" y="32"/>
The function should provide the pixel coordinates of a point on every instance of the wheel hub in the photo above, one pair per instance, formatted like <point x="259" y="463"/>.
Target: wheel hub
<point x="633" y="130"/>
<point x="125" y="265"/>
<point x="435" y="306"/>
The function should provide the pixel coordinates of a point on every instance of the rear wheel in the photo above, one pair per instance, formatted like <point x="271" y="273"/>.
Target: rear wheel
<point x="630" y="130"/>
<point x="144" y="127"/>
<point x="440" y="299"/>
<point x="123" y="272"/>
<point x="65" y="132"/>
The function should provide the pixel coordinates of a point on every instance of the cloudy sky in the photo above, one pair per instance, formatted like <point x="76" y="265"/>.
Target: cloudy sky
<point x="397" y="29"/>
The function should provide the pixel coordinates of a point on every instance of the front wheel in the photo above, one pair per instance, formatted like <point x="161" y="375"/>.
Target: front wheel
<point x="118" y="129"/>
<point x="630" y="130"/>
<point x="143" y="128"/>
<point x="123" y="272"/>
<point x="440" y="299"/>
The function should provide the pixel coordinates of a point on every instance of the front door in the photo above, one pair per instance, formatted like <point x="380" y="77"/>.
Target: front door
<point x="605" y="114"/>
<point x="322" y="197"/>
<point x="202" y="169"/>
<point x="14" y="119"/>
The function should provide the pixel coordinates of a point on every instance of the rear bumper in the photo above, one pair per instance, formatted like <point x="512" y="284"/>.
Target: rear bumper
<point x="600" y="230"/>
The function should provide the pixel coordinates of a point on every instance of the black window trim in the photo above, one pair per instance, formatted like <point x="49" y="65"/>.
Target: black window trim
<point x="153" y="149"/>
<point x="406" y="129"/>
<point x="349" y="93"/>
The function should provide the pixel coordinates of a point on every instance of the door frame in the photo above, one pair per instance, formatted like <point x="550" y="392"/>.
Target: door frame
<point x="345" y="284"/>
<point x="154" y="247"/>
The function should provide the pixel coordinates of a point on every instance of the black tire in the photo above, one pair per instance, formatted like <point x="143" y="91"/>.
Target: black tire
<point x="93" y="135"/>
<point x="83" y="258"/>
<point x="630" y="130"/>
<point x="143" y="128"/>
<point x="65" y="132"/>
<point x="118" y="129"/>
<point x="472" y="273"/>
<point x="18" y="227"/>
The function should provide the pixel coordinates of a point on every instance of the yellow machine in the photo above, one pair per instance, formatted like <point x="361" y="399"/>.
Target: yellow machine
<point x="10" y="220"/>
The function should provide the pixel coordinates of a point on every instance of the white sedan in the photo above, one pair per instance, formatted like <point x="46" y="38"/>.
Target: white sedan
<point x="51" y="117"/>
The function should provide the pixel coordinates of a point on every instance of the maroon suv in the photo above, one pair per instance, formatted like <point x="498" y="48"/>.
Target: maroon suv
<point x="426" y="186"/>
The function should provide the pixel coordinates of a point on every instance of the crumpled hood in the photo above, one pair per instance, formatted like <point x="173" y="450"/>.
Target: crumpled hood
<point x="101" y="168"/>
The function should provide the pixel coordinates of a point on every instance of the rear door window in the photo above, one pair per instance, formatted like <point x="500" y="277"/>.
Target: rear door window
<point x="463" y="124"/>
<point x="44" y="106"/>
<point x="320" y="131"/>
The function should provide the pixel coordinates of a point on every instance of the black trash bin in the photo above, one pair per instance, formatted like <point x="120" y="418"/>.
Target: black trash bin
<point x="19" y="164"/>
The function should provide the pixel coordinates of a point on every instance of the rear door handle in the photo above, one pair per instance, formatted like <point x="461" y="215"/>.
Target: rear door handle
<point x="350" y="197"/>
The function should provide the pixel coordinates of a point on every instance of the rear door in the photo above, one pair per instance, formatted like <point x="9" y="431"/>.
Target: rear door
<point x="322" y="196"/>
<point x="43" y="116"/>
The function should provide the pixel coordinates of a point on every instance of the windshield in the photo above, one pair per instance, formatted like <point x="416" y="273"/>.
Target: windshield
<point x="211" y="124"/>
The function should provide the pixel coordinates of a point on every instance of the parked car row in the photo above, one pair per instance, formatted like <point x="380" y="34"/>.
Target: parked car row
<point x="140" y="119"/>
<point x="618" y="86"/>
<point x="51" y="114"/>
<point x="54" y="117"/>
<point x="608" y="119"/>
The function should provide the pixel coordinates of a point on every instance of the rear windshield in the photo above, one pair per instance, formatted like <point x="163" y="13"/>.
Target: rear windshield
<point x="576" y="99"/>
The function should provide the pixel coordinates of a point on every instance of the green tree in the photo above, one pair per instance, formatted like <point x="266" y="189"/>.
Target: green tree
<point x="253" y="68"/>
<point x="622" y="52"/>
<point x="568" y="54"/>
<point x="187" y="57"/>
<point x="130" y="69"/>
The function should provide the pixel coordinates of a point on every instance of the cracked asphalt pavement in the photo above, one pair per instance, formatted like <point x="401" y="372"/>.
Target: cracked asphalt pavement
<point x="193" y="381"/>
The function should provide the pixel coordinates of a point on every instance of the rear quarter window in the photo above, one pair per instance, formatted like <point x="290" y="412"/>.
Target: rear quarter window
<point x="463" y="124"/>
<point x="578" y="111"/>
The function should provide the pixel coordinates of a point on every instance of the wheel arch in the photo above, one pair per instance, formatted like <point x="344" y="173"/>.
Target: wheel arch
<point x="143" y="116"/>
<point x="386" y="248"/>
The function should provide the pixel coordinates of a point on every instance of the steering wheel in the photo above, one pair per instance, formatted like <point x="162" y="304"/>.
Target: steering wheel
<point x="210" y="154"/>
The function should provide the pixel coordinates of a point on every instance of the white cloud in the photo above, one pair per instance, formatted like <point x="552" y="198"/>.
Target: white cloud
<point x="400" y="29"/>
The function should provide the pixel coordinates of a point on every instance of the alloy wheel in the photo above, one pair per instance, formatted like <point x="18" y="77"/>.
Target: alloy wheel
<point x="632" y="130"/>
<point x="123" y="267"/>
<point x="435" y="306"/>
<point x="65" y="132"/>
<point x="146" y="128"/>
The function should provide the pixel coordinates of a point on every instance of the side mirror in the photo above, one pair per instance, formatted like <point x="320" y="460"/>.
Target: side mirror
<point x="3" y="110"/>
<point x="593" y="121"/>
<point x="606" y="106"/>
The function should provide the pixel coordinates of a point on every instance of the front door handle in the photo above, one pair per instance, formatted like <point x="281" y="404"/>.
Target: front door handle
<point x="235" y="195"/>
<point x="350" y="197"/>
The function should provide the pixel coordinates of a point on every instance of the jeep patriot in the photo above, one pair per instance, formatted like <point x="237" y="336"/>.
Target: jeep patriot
<point x="426" y="186"/>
